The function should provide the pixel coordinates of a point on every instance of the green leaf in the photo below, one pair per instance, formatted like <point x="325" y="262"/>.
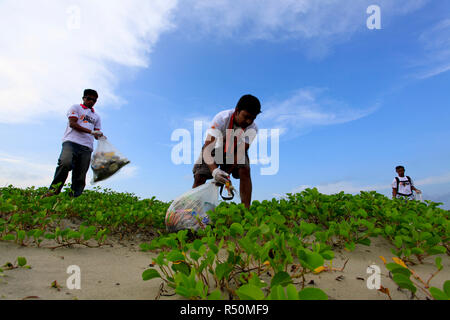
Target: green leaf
<point x="21" y="261"/>
<point x="264" y="228"/>
<point x="281" y="278"/>
<point x="436" y="250"/>
<point x="292" y="293"/>
<point x="9" y="237"/>
<point x="223" y="270"/>
<point x="21" y="235"/>
<point x="150" y="274"/>
<point x="49" y="236"/>
<point x="250" y="292"/>
<point x="388" y="230"/>
<point x="197" y="244"/>
<point x="182" y="267"/>
<point x="438" y="262"/>
<point x="417" y="251"/>
<point x="398" y="269"/>
<point x="236" y="228"/>
<point x="447" y="288"/>
<point x="195" y="256"/>
<point x="278" y="219"/>
<point x="365" y="241"/>
<point x="327" y="255"/>
<point x="215" y="295"/>
<point x="74" y="235"/>
<point x="404" y="282"/>
<point x="438" y="294"/>
<point x="350" y="246"/>
<point x="312" y="294"/>
<point x="254" y="280"/>
<point x="175" y="255"/>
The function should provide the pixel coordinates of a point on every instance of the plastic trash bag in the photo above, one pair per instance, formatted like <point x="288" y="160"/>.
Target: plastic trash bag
<point x="106" y="161"/>
<point x="189" y="210"/>
<point x="418" y="196"/>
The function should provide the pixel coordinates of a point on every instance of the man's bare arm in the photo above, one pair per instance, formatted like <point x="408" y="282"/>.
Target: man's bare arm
<point x="207" y="148"/>
<point x="73" y="123"/>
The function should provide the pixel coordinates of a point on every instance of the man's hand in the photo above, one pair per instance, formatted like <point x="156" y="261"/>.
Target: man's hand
<point x="220" y="176"/>
<point x="97" y="134"/>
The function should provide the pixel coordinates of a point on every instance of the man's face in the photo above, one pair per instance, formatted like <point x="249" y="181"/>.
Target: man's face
<point x="89" y="101"/>
<point x="244" y="118"/>
<point x="401" y="172"/>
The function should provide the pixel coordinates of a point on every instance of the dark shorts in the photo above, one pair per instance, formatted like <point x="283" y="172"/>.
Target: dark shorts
<point x="203" y="169"/>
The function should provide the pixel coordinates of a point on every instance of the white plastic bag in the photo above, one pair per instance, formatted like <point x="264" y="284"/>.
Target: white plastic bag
<point x="189" y="210"/>
<point x="106" y="161"/>
<point x="419" y="196"/>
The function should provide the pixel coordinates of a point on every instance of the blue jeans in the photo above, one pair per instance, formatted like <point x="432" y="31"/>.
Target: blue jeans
<point x="73" y="157"/>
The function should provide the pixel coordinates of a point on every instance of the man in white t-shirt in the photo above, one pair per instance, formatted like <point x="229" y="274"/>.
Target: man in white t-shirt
<point x="78" y="143"/>
<point x="225" y="151"/>
<point x="403" y="186"/>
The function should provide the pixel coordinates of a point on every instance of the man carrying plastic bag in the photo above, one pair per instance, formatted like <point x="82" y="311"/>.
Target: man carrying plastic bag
<point x="225" y="151"/>
<point x="83" y="126"/>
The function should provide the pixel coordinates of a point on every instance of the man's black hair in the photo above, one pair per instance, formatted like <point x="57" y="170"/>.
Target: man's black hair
<point x="90" y="92"/>
<point x="249" y="103"/>
<point x="399" y="167"/>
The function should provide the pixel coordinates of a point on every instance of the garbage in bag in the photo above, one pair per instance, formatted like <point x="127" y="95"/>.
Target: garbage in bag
<point x="189" y="210"/>
<point x="106" y="161"/>
<point x="418" y="196"/>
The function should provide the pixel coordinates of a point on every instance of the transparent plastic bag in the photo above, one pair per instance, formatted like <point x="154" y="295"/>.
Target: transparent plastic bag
<point x="189" y="210"/>
<point x="418" y="196"/>
<point x="106" y="161"/>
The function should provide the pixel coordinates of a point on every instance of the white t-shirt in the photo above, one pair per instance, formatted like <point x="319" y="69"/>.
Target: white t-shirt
<point x="221" y="123"/>
<point x="404" y="187"/>
<point x="88" y="119"/>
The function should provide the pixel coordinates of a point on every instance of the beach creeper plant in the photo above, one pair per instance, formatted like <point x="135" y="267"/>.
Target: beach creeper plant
<point x="275" y="242"/>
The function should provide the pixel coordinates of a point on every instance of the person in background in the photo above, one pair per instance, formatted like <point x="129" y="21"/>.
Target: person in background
<point x="403" y="186"/>
<point x="231" y="134"/>
<point x="78" y="143"/>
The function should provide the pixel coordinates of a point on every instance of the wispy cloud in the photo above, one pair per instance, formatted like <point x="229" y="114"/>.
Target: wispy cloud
<point x="52" y="50"/>
<point x="321" y="23"/>
<point x="21" y="172"/>
<point x="309" y="107"/>
<point x="436" y="45"/>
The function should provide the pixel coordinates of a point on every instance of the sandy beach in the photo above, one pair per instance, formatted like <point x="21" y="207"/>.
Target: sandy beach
<point x="114" y="272"/>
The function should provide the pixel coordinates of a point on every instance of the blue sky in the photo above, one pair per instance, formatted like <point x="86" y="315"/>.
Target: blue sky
<point x="352" y="102"/>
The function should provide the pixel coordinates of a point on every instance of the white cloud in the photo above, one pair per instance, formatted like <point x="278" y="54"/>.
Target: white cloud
<point x="327" y="22"/>
<point x="444" y="178"/>
<point x="436" y="44"/>
<point x="45" y="64"/>
<point x="23" y="173"/>
<point x="309" y="107"/>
